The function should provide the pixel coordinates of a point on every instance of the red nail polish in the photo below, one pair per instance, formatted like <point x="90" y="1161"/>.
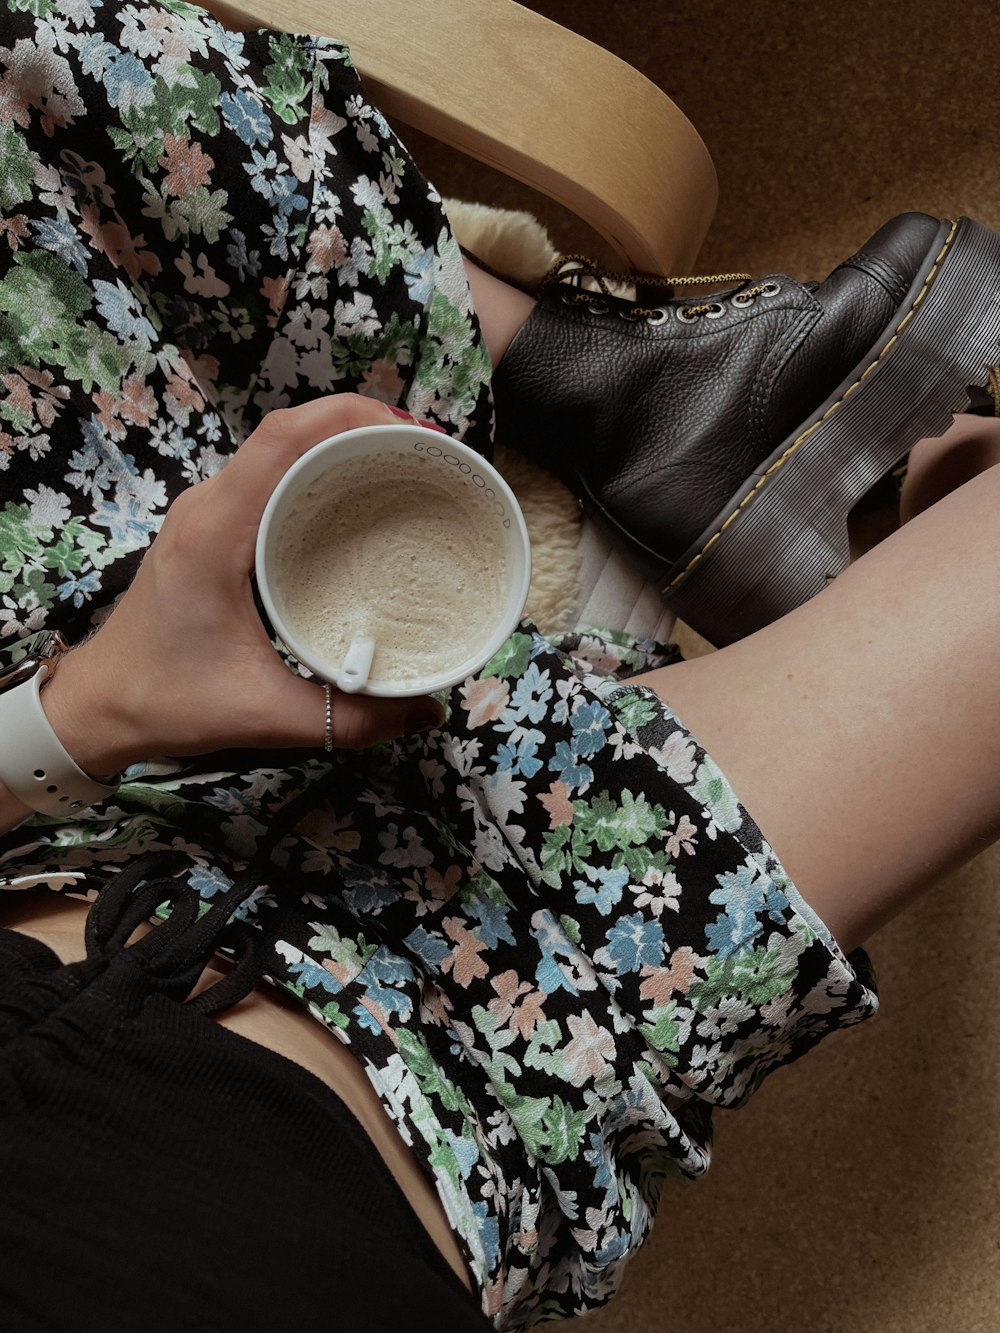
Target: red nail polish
<point x="399" y="412"/>
<point x="432" y="425"/>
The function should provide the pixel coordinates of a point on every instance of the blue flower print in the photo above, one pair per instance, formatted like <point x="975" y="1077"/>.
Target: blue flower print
<point x="246" y="262"/>
<point x="95" y="53"/>
<point x="589" y="722"/>
<point x="57" y="235"/>
<point x="531" y="696"/>
<point x="633" y="943"/>
<point x="418" y="275"/>
<point x="207" y="881"/>
<point x="487" y="1231"/>
<point x="370" y="897"/>
<point x="518" y="756"/>
<point x="608" y="891"/>
<point x="494" y="923"/>
<point x="121" y="312"/>
<point x="746" y="895"/>
<point x="311" y="975"/>
<point x="285" y="196"/>
<point x="260" y="165"/>
<point x="466" y="1152"/>
<point x="565" y="765"/>
<point x="245" y="115"/>
<point x="127" y="81"/>
<point x="79" y="588"/>
<point x="432" y="950"/>
<point x="384" y="976"/>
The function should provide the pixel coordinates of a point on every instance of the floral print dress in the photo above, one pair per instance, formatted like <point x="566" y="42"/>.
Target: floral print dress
<point x="549" y="932"/>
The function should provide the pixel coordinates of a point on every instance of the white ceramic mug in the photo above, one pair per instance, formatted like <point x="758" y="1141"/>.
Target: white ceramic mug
<point x="368" y="468"/>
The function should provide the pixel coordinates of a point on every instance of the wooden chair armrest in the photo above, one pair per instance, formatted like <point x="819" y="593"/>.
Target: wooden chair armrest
<point x="533" y="100"/>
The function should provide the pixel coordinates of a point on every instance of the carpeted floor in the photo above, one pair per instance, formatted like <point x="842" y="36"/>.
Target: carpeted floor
<point x="860" y="1190"/>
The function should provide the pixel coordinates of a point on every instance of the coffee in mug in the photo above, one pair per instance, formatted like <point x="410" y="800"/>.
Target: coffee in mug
<point x="393" y="559"/>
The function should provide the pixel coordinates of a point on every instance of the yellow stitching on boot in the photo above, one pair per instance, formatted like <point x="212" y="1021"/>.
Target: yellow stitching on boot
<point x="834" y="407"/>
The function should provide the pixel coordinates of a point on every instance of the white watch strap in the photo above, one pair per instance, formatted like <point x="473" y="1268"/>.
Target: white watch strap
<point x="34" y="766"/>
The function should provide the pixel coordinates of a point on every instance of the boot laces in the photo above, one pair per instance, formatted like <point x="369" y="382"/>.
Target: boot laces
<point x="572" y="271"/>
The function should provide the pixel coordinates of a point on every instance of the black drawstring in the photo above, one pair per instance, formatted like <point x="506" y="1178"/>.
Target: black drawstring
<point x="173" y="956"/>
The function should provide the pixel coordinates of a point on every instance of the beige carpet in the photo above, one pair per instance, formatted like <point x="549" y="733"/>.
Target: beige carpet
<point x="860" y="1190"/>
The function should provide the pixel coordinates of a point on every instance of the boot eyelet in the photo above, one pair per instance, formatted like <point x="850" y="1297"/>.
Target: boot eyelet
<point x="660" y="317"/>
<point x="716" y="312"/>
<point x="770" y="289"/>
<point x="597" y="308"/>
<point x="685" y="319"/>
<point x="568" y="298"/>
<point x="741" y="300"/>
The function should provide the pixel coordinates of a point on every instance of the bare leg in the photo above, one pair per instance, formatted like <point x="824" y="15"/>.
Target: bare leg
<point x="862" y="731"/>
<point x="502" y="309"/>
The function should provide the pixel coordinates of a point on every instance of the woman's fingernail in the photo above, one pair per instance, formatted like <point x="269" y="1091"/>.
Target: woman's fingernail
<point x="424" y="719"/>
<point x="408" y="416"/>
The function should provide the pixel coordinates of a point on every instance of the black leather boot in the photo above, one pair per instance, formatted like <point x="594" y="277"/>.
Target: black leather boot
<point x="725" y="438"/>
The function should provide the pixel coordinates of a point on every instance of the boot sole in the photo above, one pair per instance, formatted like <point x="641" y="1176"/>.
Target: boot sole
<point x="783" y="537"/>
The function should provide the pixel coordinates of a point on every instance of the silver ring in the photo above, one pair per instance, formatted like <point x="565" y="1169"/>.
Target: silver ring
<point x="770" y="289"/>
<point x="716" y="311"/>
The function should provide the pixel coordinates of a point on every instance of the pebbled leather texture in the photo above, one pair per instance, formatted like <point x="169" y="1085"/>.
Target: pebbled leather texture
<point x="662" y="424"/>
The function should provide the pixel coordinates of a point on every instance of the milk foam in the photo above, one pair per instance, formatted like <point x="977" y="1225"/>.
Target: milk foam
<point x="399" y="546"/>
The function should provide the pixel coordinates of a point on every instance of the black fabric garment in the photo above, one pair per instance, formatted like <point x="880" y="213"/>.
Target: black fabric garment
<point x="160" y="1172"/>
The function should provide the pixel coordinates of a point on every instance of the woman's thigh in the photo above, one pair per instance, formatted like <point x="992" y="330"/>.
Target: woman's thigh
<point x="862" y="731"/>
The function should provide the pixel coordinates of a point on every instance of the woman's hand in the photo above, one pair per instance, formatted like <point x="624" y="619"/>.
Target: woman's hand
<point x="183" y="664"/>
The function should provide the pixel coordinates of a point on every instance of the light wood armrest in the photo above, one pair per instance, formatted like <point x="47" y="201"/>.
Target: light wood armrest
<point x="539" y="103"/>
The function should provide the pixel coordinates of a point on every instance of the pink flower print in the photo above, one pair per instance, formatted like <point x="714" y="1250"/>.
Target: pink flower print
<point x="586" y="1056"/>
<point x="275" y="290"/>
<point x="517" y="1005"/>
<point x="107" y="414"/>
<point x="383" y="381"/>
<point x="558" y="804"/>
<point x="326" y="248"/>
<point x="137" y="403"/>
<point x="205" y="369"/>
<point x="38" y="78"/>
<point x="206" y="282"/>
<point x="44" y="405"/>
<point x="187" y="165"/>
<point x="464" y="962"/>
<point x="135" y="406"/>
<point x="435" y="1004"/>
<point x="15" y="229"/>
<point x="116" y="241"/>
<point x="682" y="838"/>
<point x="594" y="655"/>
<point x="442" y="888"/>
<point x="182" y="390"/>
<point x="485" y="700"/>
<point x="662" y="984"/>
<point x="381" y="1017"/>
